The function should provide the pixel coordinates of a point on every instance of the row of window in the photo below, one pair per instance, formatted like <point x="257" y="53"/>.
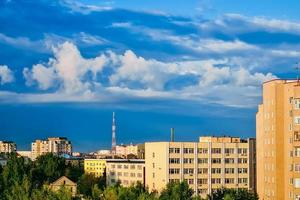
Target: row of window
<point x="94" y="164"/>
<point x="127" y="167"/>
<point x="200" y="160"/>
<point x="126" y="174"/>
<point x="205" y="150"/>
<point x="205" y="170"/>
<point x="203" y="181"/>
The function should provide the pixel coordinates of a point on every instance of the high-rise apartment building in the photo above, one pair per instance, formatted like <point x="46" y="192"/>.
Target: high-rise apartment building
<point x="278" y="141"/>
<point x="211" y="163"/>
<point x="55" y="145"/>
<point x="125" y="171"/>
<point x="7" y="147"/>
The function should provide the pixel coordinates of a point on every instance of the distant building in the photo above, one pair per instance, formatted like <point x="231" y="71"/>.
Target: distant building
<point x="95" y="166"/>
<point x="26" y="154"/>
<point x="7" y="147"/>
<point x="125" y="150"/>
<point x="125" y="171"/>
<point x="211" y="163"/>
<point x="64" y="182"/>
<point x="141" y="151"/>
<point x="55" y="145"/>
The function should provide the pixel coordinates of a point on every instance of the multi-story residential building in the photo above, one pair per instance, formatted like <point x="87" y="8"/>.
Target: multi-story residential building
<point x="211" y="163"/>
<point x="95" y="166"/>
<point x="278" y="140"/>
<point x="7" y="147"/>
<point x="55" y="145"/>
<point x="127" y="172"/>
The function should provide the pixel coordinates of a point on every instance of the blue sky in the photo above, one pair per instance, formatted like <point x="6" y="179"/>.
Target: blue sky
<point x="66" y="65"/>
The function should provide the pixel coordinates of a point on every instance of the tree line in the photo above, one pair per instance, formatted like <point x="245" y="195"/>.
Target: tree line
<point x="23" y="179"/>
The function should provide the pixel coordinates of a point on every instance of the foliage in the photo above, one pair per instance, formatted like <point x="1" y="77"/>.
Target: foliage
<point x="232" y="194"/>
<point x="177" y="191"/>
<point x="23" y="179"/>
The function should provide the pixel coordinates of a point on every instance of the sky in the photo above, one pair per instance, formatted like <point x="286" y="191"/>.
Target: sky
<point x="195" y="65"/>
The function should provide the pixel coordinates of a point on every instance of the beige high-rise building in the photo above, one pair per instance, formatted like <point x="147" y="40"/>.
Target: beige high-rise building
<point x="56" y="145"/>
<point x="278" y="141"/>
<point x="7" y="147"/>
<point x="125" y="171"/>
<point x="211" y="163"/>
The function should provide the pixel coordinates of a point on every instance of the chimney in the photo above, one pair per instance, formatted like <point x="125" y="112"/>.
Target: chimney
<point x="172" y="134"/>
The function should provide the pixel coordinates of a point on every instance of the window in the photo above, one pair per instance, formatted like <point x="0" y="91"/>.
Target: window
<point x="229" y="180"/>
<point x="215" y="180"/>
<point x="174" y="171"/>
<point x="216" y="170"/>
<point x="153" y="155"/>
<point x="153" y="165"/>
<point x="297" y="120"/>
<point x="242" y="160"/>
<point x="119" y="173"/>
<point x="297" y="167"/>
<point x="243" y="180"/>
<point x="125" y="174"/>
<point x="216" y="160"/>
<point x="188" y="150"/>
<point x="174" y="160"/>
<point x="202" y="181"/>
<point x="297" y="151"/>
<point x="139" y="175"/>
<point x="297" y="104"/>
<point x="189" y="181"/>
<point x="297" y="136"/>
<point x="139" y="167"/>
<point x="153" y="175"/>
<point x="229" y="150"/>
<point x="202" y="160"/>
<point x="132" y="166"/>
<point x="242" y="151"/>
<point x="229" y="170"/>
<point x="119" y="166"/>
<point x="229" y="160"/>
<point x="174" y="150"/>
<point x="203" y="150"/>
<point x="188" y="160"/>
<point x="297" y="183"/>
<point x="188" y="171"/>
<point x="113" y="166"/>
<point x="125" y="166"/>
<point x="112" y="173"/>
<point x="202" y="170"/>
<point x="174" y="180"/>
<point x="243" y="170"/>
<point x="216" y="150"/>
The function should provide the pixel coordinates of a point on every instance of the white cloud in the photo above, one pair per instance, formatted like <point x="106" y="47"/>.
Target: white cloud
<point x="6" y="75"/>
<point x="75" y="78"/>
<point x="68" y="68"/>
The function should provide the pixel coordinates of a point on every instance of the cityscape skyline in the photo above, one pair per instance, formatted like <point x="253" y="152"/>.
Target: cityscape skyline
<point x="157" y="65"/>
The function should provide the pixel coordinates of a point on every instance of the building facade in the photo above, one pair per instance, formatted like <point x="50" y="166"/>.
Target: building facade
<point x="211" y="163"/>
<point x="66" y="183"/>
<point x="56" y="145"/>
<point x="7" y="147"/>
<point x="278" y="141"/>
<point x="125" y="171"/>
<point x="97" y="167"/>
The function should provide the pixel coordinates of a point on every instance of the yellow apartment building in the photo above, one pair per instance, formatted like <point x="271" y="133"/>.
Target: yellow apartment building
<point x="95" y="166"/>
<point x="125" y="171"/>
<point x="278" y="141"/>
<point x="211" y="163"/>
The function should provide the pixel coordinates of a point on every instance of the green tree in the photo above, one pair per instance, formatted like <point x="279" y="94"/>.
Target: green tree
<point x="47" y="168"/>
<point x="85" y="184"/>
<point x="19" y="191"/>
<point x="236" y="194"/>
<point x="177" y="191"/>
